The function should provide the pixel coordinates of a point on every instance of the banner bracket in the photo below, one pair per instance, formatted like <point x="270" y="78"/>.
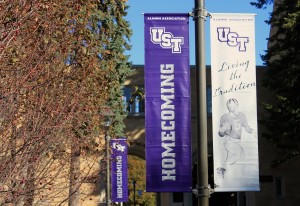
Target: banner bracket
<point x="199" y="13"/>
<point x="203" y="191"/>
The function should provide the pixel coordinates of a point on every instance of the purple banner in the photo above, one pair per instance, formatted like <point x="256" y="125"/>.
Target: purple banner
<point x="167" y="84"/>
<point x="119" y="174"/>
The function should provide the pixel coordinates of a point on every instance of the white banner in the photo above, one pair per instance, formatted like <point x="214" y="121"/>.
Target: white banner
<point x="233" y="71"/>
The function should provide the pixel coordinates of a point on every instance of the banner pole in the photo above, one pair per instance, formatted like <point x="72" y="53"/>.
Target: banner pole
<point x="108" y="200"/>
<point x="203" y="189"/>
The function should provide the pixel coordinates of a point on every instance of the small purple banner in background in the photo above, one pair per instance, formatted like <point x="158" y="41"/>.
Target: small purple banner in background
<point x="119" y="173"/>
<point x="167" y="102"/>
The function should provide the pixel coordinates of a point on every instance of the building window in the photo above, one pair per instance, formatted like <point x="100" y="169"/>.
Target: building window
<point x="134" y="102"/>
<point x="177" y="197"/>
<point x="133" y="99"/>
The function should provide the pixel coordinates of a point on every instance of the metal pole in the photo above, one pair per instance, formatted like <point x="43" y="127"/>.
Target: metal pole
<point x="134" y="182"/>
<point x="202" y="166"/>
<point x="107" y="139"/>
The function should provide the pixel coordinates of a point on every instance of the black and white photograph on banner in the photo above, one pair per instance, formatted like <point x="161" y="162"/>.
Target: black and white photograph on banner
<point x="235" y="158"/>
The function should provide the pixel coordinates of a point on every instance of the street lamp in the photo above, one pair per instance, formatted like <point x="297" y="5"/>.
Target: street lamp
<point x="107" y="124"/>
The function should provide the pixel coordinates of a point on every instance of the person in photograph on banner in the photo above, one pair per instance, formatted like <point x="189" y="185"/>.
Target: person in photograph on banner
<point x="230" y="132"/>
<point x="236" y="141"/>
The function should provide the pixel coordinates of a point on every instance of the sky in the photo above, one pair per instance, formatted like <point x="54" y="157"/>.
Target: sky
<point x="136" y="20"/>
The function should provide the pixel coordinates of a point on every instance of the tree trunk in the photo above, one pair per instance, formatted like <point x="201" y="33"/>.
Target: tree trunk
<point x="12" y="163"/>
<point x="29" y="184"/>
<point x="74" y="188"/>
<point x="15" y="198"/>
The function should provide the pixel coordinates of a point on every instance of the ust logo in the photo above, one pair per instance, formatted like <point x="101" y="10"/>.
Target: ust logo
<point x="232" y="38"/>
<point x="166" y="39"/>
<point x="118" y="147"/>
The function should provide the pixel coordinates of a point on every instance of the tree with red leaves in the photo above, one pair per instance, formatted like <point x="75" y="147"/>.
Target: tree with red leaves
<point x="61" y="61"/>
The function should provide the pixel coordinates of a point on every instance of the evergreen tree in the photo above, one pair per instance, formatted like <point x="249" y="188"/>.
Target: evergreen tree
<point x="116" y="62"/>
<point x="283" y="77"/>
